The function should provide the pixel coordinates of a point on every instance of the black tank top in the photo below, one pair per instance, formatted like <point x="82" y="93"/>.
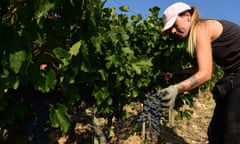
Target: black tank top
<point x="226" y="48"/>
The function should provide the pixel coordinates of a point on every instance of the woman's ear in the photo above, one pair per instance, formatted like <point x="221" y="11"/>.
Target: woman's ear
<point x="189" y="16"/>
<point x="186" y="14"/>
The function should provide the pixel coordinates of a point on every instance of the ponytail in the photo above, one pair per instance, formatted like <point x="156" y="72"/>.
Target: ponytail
<point x="192" y="39"/>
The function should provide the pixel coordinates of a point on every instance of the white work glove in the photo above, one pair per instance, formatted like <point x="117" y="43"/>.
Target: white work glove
<point x="168" y="97"/>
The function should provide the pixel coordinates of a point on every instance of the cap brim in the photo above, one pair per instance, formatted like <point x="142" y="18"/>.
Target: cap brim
<point x="169" y="24"/>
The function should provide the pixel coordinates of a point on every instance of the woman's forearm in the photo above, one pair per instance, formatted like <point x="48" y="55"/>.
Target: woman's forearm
<point x="190" y="83"/>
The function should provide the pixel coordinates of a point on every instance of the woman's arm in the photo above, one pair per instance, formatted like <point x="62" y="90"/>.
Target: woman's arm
<point x="204" y="59"/>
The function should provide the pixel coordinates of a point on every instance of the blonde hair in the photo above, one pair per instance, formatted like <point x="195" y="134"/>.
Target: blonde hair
<point x="192" y="39"/>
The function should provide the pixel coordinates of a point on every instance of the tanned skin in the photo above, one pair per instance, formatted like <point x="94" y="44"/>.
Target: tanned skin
<point x="207" y="31"/>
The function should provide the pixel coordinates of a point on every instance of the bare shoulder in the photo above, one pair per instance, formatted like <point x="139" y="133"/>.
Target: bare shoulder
<point x="213" y="27"/>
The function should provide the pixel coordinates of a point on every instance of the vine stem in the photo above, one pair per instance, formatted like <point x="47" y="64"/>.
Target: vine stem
<point x="99" y="137"/>
<point x="171" y="117"/>
<point x="143" y="128"/>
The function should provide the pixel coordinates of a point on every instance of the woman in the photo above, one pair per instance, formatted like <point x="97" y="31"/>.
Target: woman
<point x="209" y="40"/>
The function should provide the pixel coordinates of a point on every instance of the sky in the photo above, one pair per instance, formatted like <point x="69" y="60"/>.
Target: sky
<point x="222" y="9"/>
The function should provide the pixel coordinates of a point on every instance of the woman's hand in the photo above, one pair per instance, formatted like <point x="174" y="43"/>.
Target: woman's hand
<point x="169" y="96"/>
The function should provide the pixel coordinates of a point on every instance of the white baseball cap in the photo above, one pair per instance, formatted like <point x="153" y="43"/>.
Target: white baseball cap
<point x="170" y="14"/>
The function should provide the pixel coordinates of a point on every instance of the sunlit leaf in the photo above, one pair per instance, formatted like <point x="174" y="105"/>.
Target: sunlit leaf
<point x="124" y="8"/>
<point x="74" y="50"/>
<point x="127" y="50"/>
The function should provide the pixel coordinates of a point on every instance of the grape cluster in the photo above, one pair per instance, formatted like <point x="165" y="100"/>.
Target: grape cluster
<point x="152" y="111"/>
<point x="37" y="124"/>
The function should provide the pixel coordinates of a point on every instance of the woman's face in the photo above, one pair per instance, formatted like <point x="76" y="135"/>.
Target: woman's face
<point x="182" y="25"/>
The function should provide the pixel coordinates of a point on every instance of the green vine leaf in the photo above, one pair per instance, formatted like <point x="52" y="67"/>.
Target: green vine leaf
<point x="42" y="9"/>
<point x="51" y="79"/>
<point x="61" y="53"/>
<point x="16" y="60"/>
<point x="59" y="118"/>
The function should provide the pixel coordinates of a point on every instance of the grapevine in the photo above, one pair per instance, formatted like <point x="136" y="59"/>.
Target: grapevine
<point x="90" y="54"/>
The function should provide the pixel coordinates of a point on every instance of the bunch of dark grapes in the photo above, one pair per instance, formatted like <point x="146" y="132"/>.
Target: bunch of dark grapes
<point x="152" y="111"/>
<point x="37" y="125"/>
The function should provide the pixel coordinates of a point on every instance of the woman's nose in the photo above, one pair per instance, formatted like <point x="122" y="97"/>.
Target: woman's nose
<point x="173" y="30"/>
